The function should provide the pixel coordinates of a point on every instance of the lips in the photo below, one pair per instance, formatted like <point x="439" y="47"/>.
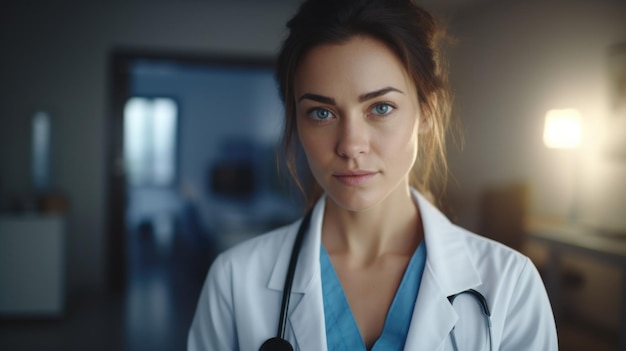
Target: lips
<point x="354" y="178"/>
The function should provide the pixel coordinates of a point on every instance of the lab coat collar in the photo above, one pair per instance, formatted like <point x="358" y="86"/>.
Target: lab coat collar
<point x="447" y="254"/>
<point x="306" y="305"/>
<point x="449" y="270"/>
<point x="308" y="267"/>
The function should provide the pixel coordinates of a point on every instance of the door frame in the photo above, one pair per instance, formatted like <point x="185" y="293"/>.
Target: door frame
<point x="119" y="64"/>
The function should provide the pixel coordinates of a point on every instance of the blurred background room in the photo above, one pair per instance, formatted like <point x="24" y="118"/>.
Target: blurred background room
<point x="138" y="140"/>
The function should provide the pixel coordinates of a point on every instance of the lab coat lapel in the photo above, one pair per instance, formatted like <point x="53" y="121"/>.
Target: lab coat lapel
<point x="433" y="316"/>
<point x="306" y="307"/>
<point x="448" y="271"/>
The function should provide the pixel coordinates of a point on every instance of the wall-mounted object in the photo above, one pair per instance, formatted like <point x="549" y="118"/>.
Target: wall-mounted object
<point x="41" y="135"/>
<point x="563" y="129"/>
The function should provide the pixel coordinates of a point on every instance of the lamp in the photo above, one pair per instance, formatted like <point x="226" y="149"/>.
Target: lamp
<point x="563" y="130"/>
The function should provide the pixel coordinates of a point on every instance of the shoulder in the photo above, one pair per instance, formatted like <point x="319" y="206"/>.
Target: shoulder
<point x="256" y="254"/>
<point x="264" y="244"/>
<point x="514" y="291"/>
<point x="519" y="303"/>
<point x="509" y="277"/>
<point x="479" y="243"/>
<point x="493" y="255"/>
<point x="236" y="290"/>
<point x="454" y="250"/>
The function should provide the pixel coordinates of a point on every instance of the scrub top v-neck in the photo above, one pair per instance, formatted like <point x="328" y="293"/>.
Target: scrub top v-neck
<point x="342" y="332"/>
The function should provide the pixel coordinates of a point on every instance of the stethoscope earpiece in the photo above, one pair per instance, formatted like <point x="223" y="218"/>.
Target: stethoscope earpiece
<point x="276" y="344"/>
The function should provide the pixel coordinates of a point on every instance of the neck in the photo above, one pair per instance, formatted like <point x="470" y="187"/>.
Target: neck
<point x="391" y="227"/>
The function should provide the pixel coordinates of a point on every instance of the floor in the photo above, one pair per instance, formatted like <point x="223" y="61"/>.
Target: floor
<point x="153" y="314"/>
<point x="156" y="310"/>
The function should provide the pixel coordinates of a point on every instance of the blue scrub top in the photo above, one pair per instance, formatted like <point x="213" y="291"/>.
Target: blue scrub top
<point x="342" y="332"/>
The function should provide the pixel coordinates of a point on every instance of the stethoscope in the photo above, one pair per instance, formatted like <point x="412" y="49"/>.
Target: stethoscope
<point x="279" y="343"/>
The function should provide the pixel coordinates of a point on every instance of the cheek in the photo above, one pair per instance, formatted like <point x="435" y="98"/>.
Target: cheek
<point x="401" y="146"/>
<point x="313" y="145"/>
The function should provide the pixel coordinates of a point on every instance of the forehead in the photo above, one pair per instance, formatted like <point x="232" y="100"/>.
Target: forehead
<point x="359" y="65"/>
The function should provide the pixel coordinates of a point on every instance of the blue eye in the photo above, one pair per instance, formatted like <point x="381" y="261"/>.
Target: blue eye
<point x="320" y="114"/>
<point x="382" y="109"/>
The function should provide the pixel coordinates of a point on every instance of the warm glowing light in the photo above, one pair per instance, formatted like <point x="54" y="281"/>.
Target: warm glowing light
<point x="563" y="129"/>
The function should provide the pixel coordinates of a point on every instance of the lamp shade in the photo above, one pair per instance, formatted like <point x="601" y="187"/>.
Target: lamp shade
<point x="563" y="129"/>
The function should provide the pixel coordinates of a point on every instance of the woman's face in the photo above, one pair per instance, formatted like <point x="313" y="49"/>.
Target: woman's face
<point x="357" y="119"/>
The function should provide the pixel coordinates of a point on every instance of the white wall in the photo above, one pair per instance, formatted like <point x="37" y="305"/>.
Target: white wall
<point x="54" y="57"/>
<point x="514" y="61"/>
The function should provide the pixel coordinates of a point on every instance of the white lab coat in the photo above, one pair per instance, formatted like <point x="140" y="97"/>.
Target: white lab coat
<point x="239" y="306"/>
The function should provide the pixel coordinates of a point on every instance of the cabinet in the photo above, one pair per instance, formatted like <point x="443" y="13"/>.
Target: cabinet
<point x="32" y="266"/>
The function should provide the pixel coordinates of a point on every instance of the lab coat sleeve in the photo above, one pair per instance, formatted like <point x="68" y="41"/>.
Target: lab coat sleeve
<point x="529" y="322"/>
<point x="213" y="326"/>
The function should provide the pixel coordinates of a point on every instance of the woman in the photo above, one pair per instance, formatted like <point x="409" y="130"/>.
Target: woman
<point x="379" y="267"/>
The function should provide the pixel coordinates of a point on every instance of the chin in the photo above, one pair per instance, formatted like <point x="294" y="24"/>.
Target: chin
<point x="355" y="200"/>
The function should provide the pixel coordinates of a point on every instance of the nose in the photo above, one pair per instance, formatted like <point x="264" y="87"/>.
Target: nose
<point x="353" y="139"/>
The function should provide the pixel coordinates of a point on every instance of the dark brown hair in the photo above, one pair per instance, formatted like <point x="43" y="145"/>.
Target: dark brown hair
<point x="411" y="33"/>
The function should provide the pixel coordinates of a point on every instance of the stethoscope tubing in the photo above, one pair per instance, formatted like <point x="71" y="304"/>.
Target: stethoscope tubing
<point x="282" y="324"/>
<point x="279" y="343"/>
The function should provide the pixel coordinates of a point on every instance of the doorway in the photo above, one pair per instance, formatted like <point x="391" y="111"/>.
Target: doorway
<point x="192" y="171"/>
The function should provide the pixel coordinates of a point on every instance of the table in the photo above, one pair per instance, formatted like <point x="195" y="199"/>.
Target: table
<point x="563" y="237"/>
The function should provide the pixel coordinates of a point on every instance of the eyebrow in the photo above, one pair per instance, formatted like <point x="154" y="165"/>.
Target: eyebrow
<point x="364" y="97"/>
<point x="377" y="93"/>
<point x="318" y="98"/>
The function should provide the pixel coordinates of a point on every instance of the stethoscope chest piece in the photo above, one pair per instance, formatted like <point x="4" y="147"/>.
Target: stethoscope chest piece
<point x="276" y="344"/>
